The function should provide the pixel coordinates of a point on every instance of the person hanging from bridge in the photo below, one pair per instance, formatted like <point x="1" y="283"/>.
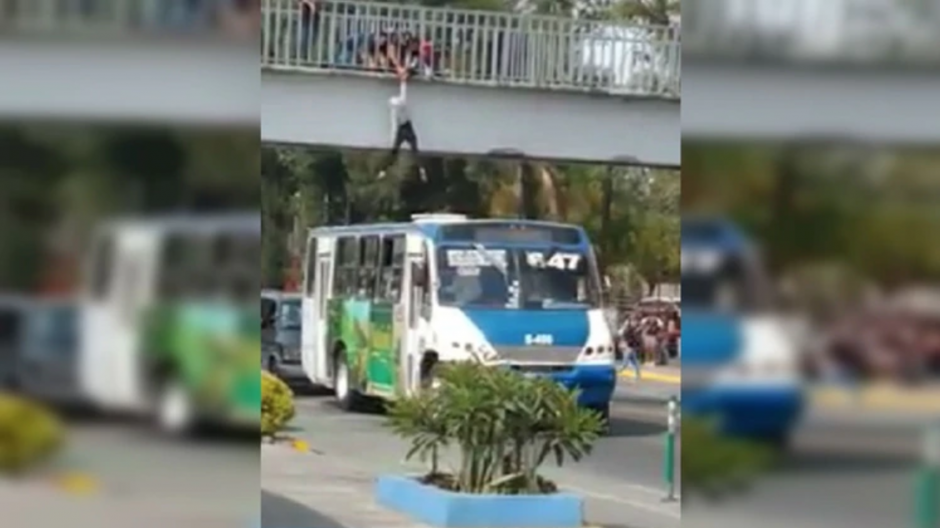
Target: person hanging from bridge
<point x="404" y="130"/>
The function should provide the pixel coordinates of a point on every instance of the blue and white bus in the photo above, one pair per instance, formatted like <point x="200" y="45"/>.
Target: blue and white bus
<point x="740" y="365"/>
<point x="384" y="303"/>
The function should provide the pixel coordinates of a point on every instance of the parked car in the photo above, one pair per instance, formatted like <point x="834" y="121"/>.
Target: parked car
<point x="48" y="361"/>
<point x="281" y="322"/>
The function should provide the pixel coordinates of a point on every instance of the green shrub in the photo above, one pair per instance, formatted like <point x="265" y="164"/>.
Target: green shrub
<point x="714" y="465"/>
<point x="277" y="404"/>
<point x="504" y="427"/>
<point x="29" y="434"/>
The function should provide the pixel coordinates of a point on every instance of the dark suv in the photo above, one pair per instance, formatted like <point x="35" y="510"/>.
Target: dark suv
<point x="280" y="334"/>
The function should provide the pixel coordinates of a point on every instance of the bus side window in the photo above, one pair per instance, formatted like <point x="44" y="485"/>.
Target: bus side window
<point x="368" y="266"/>
<point x="344" y="284"/>
<point x="310" y="274"/>
<point x="268" y="307"/>
<point x="102" y="266"/>
<point x="393" y="259"/>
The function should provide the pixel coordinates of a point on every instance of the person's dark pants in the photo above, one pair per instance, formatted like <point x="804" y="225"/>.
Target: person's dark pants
<point x="404" y="134"/>
<point x="309" y="22"/>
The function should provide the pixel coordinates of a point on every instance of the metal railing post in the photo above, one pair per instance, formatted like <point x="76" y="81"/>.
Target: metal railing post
<point x="927" y="487"/>
<point x="669" y="451"/>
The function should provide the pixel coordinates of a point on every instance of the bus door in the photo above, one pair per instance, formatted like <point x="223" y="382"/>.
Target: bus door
<point x="414" y="307"/>
<point x="317" y="358"/>
<point x="308" y="311"/>
<point x="110" y="363"/>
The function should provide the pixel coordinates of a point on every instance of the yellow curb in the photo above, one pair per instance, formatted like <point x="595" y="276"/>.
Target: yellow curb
<point x="77" y="483"/>
<point x="883" y="398"/>
<point x="654" y="376"/>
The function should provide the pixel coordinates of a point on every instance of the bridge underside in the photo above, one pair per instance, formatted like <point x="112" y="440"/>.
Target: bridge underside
<point x="750" y="102"/>
<point x="161" y="82"/>
<point x="352" y="112"/>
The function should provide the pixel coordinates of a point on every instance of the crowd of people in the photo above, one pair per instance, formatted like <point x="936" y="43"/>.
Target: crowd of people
<point x="650" y="335"/>
<point x="879" y="346"/>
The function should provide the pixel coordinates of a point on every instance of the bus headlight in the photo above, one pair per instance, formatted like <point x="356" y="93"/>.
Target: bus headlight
<point x="599" y="351"/>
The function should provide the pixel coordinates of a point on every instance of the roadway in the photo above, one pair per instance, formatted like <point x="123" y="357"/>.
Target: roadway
<point x="621" y="480"/>
<point x="844" y="471"/>
<point x="115" y="475"/>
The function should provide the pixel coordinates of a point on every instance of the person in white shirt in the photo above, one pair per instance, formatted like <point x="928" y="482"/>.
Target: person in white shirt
<point x="403" y="128"/>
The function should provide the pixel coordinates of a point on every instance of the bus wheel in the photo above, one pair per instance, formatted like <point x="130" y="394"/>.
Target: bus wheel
<point x="346" y="395"/>
<point x="176" y="410"/>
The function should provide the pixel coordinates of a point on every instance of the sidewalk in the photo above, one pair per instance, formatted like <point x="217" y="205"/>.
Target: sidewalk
<point x="306" y="489"/>
<point x="878" y="397"/>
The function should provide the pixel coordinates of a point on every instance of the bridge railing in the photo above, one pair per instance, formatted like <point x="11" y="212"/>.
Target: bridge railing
<point x="848" y="31"/>
<point x="125" y="17"/>
<point x="474" y="47"/>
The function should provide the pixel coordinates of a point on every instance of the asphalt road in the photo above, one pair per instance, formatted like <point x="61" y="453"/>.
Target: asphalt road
<point x="621" y="480"/>
<point x="844" y="471"/>
<point x="122" y="474"/>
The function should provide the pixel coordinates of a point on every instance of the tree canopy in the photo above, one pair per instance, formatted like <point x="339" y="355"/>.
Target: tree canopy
<point x="632" y="214"/>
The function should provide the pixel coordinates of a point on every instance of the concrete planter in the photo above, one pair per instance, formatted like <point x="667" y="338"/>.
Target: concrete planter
<point x="446" y="509"/>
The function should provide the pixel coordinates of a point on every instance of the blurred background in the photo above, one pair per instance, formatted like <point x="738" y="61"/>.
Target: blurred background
<point x="832" y="174"/>
<point x="129" y="230"/>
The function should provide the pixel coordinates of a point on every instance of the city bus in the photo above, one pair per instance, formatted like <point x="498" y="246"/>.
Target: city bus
<point x="169" y="320"/>
<point x="740" y="364"/>
<point x="385" y="304"/>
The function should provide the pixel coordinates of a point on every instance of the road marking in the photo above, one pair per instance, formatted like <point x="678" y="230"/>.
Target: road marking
<point x="883" y="398"/>
<point x="674" y="379"/>
<point x="626" y="502"/>
<point x="76" y="483"/>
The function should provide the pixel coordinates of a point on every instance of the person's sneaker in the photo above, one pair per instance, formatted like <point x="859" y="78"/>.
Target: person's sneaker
<point x="381" y="175"/>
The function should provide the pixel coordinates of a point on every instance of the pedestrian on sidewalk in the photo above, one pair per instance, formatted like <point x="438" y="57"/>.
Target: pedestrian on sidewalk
<point x="630" y="358"/>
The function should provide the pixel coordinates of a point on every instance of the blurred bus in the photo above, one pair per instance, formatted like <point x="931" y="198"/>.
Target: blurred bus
<point x="740" y="365"/>
<point x="169" y="324"/>
<point x="385" y="303"/>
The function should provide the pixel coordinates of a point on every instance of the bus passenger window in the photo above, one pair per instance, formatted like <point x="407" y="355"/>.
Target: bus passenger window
<point x="368" y="266"/>
<point x="102" y="267"/>
<point x="344" y="284"/>
<point x="391" y="270"/>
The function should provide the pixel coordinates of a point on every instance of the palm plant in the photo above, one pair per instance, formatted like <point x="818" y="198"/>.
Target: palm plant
<point x="504" y="427"/>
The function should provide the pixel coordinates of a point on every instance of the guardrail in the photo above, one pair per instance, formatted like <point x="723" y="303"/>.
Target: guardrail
<point x="473" y="47"/>
<point x="137" y="17"/>
<point x="848" y="31"/>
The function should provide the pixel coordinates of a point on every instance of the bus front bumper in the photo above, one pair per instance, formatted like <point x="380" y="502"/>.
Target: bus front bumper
<point x="595" y="383"/>
<point x="748" y="411"/>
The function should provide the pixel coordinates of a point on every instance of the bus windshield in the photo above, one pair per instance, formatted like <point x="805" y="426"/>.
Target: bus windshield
<point x="721" y="281"/>
<point x="526" y="278"/>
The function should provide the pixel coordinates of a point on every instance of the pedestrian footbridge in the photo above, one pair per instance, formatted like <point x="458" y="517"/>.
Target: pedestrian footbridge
<point x="489" y="83"/>
<point x="486" y="84"/>
<point x="804" y="68"/>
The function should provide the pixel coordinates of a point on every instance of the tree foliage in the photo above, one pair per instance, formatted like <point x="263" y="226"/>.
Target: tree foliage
<point x="866" y="208"/>
<point x="325" y="187"/>
<point x="57" y="182"/>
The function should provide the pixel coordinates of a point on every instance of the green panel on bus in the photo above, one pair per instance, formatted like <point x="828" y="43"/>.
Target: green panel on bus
<point x="365" y="328"/>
